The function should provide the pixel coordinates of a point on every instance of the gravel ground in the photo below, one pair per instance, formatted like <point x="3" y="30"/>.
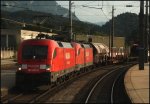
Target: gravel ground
<point x="71" y="94"/>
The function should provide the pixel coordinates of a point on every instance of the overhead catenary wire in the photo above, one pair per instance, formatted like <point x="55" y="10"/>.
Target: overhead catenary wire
<point x="94" y="14"/>
<point x="82" y="6"/>
<point x="24" y="23"/>
<point x="39" y="5"/>
<point x="104" y="14"/>
<point x="100" y="9"/>
<point x="91" y="15"/>
<point x="75" y="5"/>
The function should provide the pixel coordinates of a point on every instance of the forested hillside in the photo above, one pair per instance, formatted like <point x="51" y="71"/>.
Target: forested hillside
<point x="54" y="22"/>
<point x="125" y="25"/>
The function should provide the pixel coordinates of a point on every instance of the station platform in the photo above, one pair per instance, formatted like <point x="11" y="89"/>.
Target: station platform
<point x="8" y="69"/>
<point x="8" y="64"/>
<point x="8" y="61"/>
<point x="137" y="84"/>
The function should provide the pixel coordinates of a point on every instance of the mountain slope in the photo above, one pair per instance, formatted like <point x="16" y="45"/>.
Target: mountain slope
<point x="55" y="22"/>
<point x="100" y="23"/>
<point x="38" y="6"/>
<point x="125" y="25"/>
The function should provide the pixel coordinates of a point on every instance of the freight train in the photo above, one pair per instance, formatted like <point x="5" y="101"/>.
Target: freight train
<point x="45" y="61"/>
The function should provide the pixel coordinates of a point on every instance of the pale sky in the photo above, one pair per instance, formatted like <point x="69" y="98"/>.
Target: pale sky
<point x="97" y="15"/>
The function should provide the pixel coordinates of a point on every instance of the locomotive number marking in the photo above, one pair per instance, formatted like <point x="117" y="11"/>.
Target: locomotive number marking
<point x="33" y="66"/>
<point x="33" y="70"/>
<point x="87" y="53"/>
<point x="67" y="55"/>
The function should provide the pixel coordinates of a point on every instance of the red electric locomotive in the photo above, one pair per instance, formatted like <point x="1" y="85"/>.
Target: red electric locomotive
<point x="44" y="61"/>
<point x="88" y="55"/>
<point x="79" y="53"/>
<point x="84" y="55"/>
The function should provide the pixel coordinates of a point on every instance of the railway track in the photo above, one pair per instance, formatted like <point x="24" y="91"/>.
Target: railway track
<point x="109" y="88"/>
<point x="12" y="97"/>
<point x="68" y="94"/>
<point x="119" y="84"/>
<point x="42" y="96"/>
<point x="32" y="98"/>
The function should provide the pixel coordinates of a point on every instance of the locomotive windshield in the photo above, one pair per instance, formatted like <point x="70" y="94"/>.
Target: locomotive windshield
<point x="34" y="52"/>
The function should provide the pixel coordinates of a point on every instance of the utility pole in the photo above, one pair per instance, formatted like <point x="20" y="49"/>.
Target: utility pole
<point x="146" y="34"/>
<point x="70" y="20"/>
<point x="149" y="29"/>
<point x="112" y="32"/>
<point x="141" y="36"/>
<point x="109" y="40"/>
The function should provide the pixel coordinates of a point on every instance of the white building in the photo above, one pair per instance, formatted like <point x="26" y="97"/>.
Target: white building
<point x="12" y="37"/>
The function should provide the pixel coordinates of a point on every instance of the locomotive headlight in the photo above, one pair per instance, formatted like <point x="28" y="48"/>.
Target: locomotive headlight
<point x="48" y="67"/>
<point x="19" y="68"/>
<point x="24" y="66"/>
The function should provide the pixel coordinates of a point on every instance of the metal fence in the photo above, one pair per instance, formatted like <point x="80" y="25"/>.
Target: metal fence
<point x="8" y="52"/>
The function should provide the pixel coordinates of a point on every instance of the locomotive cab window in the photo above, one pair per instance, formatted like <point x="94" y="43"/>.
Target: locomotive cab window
<point x="54" y="54"/>
<point x="66" y="45"/>
<point x="79" y="52"/>
<point x="34" y="52"/>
